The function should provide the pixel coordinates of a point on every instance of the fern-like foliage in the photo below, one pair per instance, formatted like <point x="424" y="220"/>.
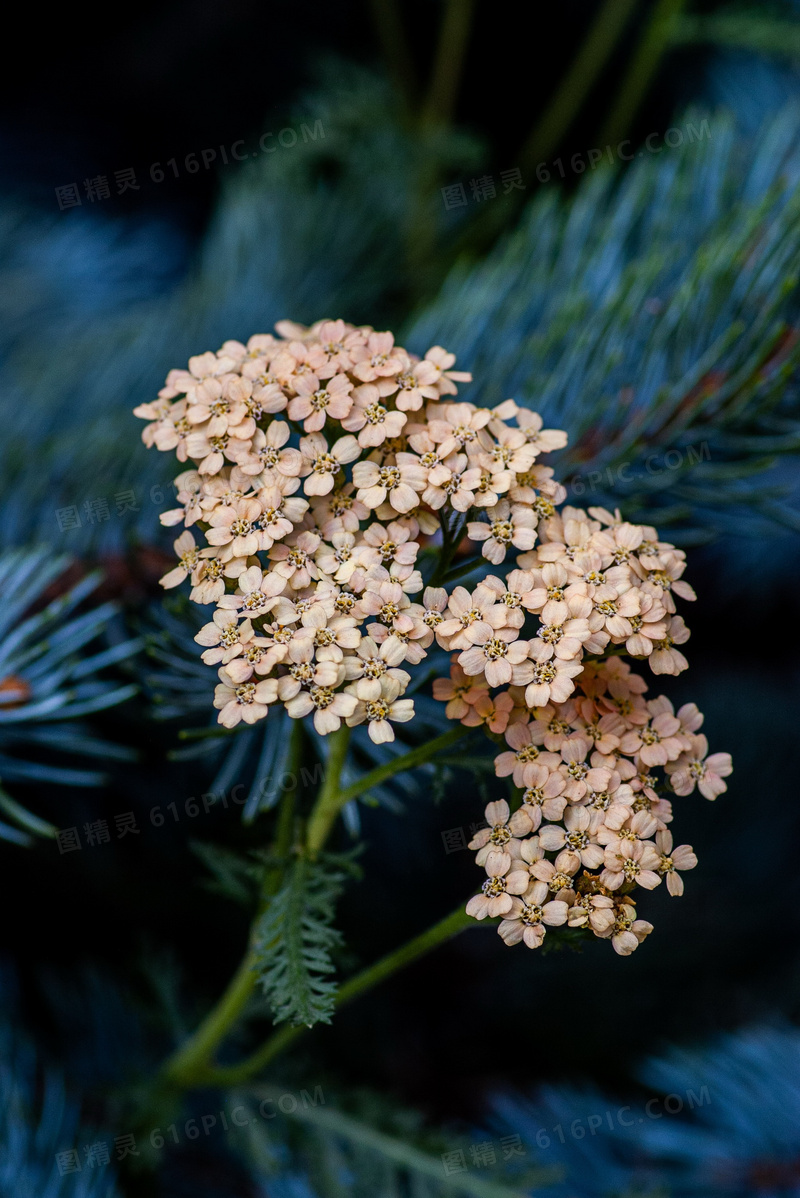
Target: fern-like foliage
<point x="295" y="938"/>
<point x="53" y="663"/>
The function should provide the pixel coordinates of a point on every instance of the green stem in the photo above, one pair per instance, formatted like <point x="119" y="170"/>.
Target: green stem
<point x="576" y="84"/>
<point x="189" y="1065"/>
<point x="639" y="76"/>
<point x="233" y="1075"/>
<point x="388" y="22"/>
<point x="191" y="1059"/>
<point x="448" y="66"/>
<point x="329" y="803"/>
<point x="452" y="525"/>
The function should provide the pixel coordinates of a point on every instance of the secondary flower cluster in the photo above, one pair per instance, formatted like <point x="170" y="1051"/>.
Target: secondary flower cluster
<point x="594" y="774"/>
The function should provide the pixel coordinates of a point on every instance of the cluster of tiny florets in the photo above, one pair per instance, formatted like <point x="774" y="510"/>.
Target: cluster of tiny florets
<point x="320" y="462"/>
<point x="322" y="459"/>
<point x="597" y="774"/>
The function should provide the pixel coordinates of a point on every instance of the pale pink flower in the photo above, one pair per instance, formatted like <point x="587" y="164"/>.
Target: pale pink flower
<point x="696" y="768"/>
<point x="627" y="932"/>
<point x="575" y="837"/>
<point x="579" y="775"/>
<point x="462" y="423"/>
<point x="622" y="827"/>
<point x="509" y="526"/>
<point x="489" y="490"/>
<point x="492" y="710"/>
<point x="371" y="662"/>
<point x="368" y="417"/>
<point x="388" y="602"/>
<point x="224" y="636"/>
<point x="665" y="658"/>
<point x="541" y="440"/>
<point x="415" y="640"/>
<point x="595" y="911"/>
<point x="328" y="706"/>
<point x="321" y="464"/>
<point x="530" y="915"/>
<point x="452" y="480"/>
<point x="634" y="861"/>
<point x="279" y="515"/>
<point x="391" y="547"/>
<point x="493" y="654"/>
<point x="296" y="360"/>
<point x="521" y="757"/>
<point x="661" y="740"/>
<point x="503" y="827"/>
<point x="209" y="452"/>
<point x="554" y="724"/>
<point x="455" y="690"/>
<point x="188" y="493"/>
<point x="514" y="592"/>
<point x="314" y="401"/>
<point x="434" y="602"/>
<point x="339" y="510"/>
<point x="208" y="577"/>
<point x="339" y="340"/>
<point x="268" y="453"/>
<point x="377" y="358"/>
<point x="333" y="638"/>
<point x="664" y="581"/>
<point x="339" y="559"/>
<point x="254" y="658"/>
<point x="446" y="378"/>
<point x="207" y="365"/>
<point x="379" y="712"/>
<point x="172" y="431"/>
<point x="563" y="631"/>
<point x="221" y="409"/>
<point x="673" y="860"/>
<point x="255" y="592"/>
<point x="469" y="618"/>
<point x="248" y="701"/>
<point x="156" y="411"/>
<point x="277" y="637"/>
<point x="559" y="874"/>
<point x="293" y="559"/>
<point x="400" y="484"/>
<point x="510" y="455"/>
<point x="647" y="626"/>
<point x="551" y="681"/>
<point x="235" y="526"/>
<point x="306" y="673"/>
<point x="416" y="382"/>
<point x="543" y="796"/>
<point x="502" y="882"/>
<point x="189" y="558"/>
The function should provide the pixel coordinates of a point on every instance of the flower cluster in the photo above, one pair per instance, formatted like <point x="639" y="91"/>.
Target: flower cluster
<point x="322" y="461"/>
<point x="594" y="774"/>
<point x="331" y="480"/>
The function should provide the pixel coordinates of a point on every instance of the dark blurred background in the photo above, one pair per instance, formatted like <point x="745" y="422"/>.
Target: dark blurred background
<point x="102" y="941"/>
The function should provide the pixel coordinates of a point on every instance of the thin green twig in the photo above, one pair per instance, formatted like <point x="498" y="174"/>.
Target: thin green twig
<point x="576" y="84"/>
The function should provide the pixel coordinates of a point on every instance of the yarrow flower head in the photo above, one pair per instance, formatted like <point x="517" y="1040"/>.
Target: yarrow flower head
<point x="330" y="479"/>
